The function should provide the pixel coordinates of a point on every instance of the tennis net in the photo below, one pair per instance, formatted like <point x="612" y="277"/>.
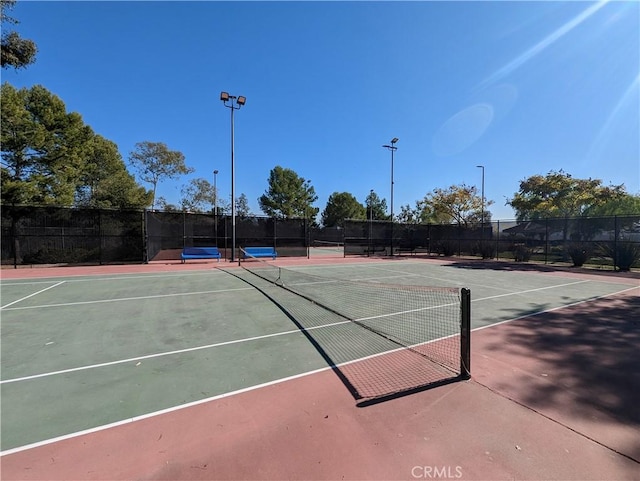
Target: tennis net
<point x="430" y="322"/>
<point x="328" y="247"/>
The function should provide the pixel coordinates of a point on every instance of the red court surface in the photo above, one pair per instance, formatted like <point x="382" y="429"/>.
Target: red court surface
<point x="553" y="396"/>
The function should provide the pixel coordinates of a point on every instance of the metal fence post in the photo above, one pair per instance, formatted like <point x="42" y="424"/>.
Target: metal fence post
<point x="100" y="236"/>
<point x="616" y="229"/>
<point x="497" y="240"/>
<point x="546" y="240"/>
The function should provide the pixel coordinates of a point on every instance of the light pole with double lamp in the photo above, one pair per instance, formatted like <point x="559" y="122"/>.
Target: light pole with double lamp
<point x="234" y="103"/>
<point x="392" y="148"/>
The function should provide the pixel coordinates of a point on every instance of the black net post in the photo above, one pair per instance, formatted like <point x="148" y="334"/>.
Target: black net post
<point x="465" y="334"/>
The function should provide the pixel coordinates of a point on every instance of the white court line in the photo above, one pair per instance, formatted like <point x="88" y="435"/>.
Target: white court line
<point x="538" y="313"/>
<point x="34" y="294"/>
<point x="21" y="284"/>
<point x="248" y="389"/>
<point x="99" y="301"/>
<point x="236" y="341"/>
<point x="201" y="401"/>
<point x="97" y="278"/>
<point x="442" y="279"/>
<point x="157" y="413"/>
<point x="530" y="290"/>
<point x="377" y="278"/>
<point x="168" y="353"/>
<point x="220" y="344"/>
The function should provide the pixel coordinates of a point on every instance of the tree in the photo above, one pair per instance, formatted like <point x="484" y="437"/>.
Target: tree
<point x="41" y="147"/>
<point x="197" y="195"/>
<point x="16" y="52"/>
<point x="288" y="195"/>
<point x="242" y="206"/>
<point x="625" y="204"/>
<point x="105" y="181"/>
<point x="166" y="206"/>
<point x="341" y="206"/>
<point x="459" y="204"/>
<point x="51" y="157"/>
<point x="376" y="207"/>
<point x="558" y="194"/>
<point x="408" y="215"/>
<point x="154" y="163"/>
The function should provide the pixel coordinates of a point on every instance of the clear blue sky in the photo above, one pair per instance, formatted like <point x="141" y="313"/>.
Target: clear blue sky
<point x="522" y="88"/>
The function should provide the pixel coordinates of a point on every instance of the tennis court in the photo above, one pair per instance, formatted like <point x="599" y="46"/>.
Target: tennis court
<point x="247" y="376"/>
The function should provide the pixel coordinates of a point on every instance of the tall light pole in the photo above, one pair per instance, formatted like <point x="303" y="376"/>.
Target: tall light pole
<point x="370" y="221"/>
<point x="482" y="206"/>
<point x="392" y="148"/>
<point x="215" y="202"/>
<point x="234" y="103"/>
<point x="215" y="191"/>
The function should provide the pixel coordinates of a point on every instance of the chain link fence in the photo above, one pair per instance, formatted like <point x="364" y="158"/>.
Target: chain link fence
<point x="54" y="235"/>
<point x="602" y="241"/>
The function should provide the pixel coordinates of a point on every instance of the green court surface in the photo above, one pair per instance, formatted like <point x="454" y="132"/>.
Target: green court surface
<point x="80" y="353"/>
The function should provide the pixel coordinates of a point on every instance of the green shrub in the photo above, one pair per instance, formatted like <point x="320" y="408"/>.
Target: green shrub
<point x="521" y="253"/>
<point x="447" y="248"/>
<point x="487" y="249"/>
<point x="624" y="254"/>
<point x="60" y="256"/>
<point x="579" y="253"/>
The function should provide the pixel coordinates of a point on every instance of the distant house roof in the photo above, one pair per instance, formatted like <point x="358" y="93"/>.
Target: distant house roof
<point x="526" y="228"/>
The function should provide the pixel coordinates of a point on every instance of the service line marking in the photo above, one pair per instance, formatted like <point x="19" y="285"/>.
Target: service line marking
<point x="34" y="294"/>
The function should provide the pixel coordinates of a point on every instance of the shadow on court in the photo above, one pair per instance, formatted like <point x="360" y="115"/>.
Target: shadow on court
<point x="578" y="365"/>
<point x="502" y="266"/>
<point x="373" y="367"/>
<point x="497" y="265"/>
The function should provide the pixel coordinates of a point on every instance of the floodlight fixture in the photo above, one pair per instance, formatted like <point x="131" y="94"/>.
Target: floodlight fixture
<point x="241" y="100"/>
<point x="224" y="96"/>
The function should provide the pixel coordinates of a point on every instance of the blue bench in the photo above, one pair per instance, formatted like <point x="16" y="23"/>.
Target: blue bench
<point x="200" y="253"/>
<point x="249" y="252"/>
